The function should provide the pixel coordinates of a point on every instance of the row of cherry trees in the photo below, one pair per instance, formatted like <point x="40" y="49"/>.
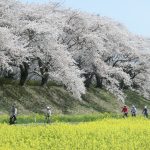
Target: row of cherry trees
<point x="47" y="42"/>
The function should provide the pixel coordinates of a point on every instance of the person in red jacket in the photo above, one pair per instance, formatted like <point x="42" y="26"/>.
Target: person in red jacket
<point x="125" y="111"/>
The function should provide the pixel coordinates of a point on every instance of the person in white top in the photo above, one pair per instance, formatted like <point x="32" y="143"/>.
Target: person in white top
<point x="133" y="111"/>
<point x="48" y="114"/>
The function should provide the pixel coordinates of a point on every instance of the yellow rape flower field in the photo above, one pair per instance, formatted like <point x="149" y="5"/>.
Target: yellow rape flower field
<point x="106" y="134"/>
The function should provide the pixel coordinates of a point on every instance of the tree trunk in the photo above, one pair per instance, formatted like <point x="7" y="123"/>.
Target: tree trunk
<point x="44" y="72"/>
<point x="121" y="84"/>
<point x="41" y="66"/>
<point x="24" y="67"/>
<point x="88" y="80"/>
<point x="135" y="85"/>
<point x="99" y="81"/>
<point x="44" y="78"/>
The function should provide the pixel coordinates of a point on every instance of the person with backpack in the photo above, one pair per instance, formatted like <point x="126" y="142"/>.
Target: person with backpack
<point x="133" y="111"/>
<point x="145" y="112"/>
<point x="13" y="116"/>
<point x="48" y="114"/>
<point x="125" y="111"/>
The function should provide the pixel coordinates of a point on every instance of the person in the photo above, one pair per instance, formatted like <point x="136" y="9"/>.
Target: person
<point x="125" y="111"/>
<point x="48" y="114"/>
<point x="13" y="116"/>
<point x="145" y="112"/>
<point x="133" y="111"/>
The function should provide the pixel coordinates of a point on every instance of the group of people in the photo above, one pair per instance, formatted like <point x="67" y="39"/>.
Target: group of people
<point x="13" y="116"/>
<point x="134" y="111"/>
<point x="48" y="113"/>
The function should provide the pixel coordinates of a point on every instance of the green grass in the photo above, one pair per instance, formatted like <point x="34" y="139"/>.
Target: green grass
<point x="136" y="99"/>
<point x="4" y="81"/>
<point x="36" y="118"/>
<point x="33" y="98"/>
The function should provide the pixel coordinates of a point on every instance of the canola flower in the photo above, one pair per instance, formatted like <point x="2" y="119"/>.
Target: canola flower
<point x="106" y="134"/>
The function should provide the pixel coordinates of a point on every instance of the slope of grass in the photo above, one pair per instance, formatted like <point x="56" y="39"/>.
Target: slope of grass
<point x="133" y="98"/>
<point x="33" y="98"/>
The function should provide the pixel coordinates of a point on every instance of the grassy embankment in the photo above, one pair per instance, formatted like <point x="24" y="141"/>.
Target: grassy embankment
<point x="32" y="98"/>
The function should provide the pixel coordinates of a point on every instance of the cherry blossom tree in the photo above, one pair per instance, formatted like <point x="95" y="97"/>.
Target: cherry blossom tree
<point x="38" y="34"/>
<point x="47" y="42"/>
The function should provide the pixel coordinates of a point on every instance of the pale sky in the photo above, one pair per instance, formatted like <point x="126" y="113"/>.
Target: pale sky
<point x="134" y="14"/>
